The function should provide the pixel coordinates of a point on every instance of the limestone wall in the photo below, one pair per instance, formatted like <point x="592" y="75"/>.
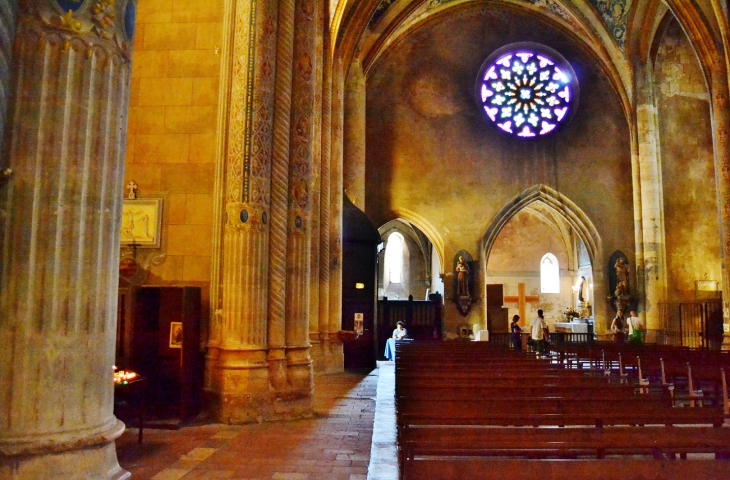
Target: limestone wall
<point x="172" y="128"/>
<point x="688" y="169"/>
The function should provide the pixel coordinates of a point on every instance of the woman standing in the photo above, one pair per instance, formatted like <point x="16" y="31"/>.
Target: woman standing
<point x="617" y="327"/>
<point x="516" y="333"/>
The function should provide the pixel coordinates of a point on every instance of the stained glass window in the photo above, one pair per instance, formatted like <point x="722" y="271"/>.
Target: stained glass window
<point x="527" y="90"/>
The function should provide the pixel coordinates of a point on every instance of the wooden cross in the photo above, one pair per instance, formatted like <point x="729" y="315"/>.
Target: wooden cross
<point x="521" y="300"/>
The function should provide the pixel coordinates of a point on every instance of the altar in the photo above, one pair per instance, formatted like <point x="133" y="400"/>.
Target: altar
<point x="578" y="326"/>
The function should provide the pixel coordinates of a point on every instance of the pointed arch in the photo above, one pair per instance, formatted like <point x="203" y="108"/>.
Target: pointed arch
<point x="424" y="225"/>
<point x="555" y="201"/>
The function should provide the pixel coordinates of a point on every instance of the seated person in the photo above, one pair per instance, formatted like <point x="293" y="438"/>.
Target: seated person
<point x="399" y="333"/>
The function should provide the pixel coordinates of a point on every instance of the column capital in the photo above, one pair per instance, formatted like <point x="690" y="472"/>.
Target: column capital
<point x="108" y="24"/>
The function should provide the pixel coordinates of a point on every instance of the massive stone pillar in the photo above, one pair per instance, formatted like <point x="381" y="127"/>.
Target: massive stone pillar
<point x="354" y="135"/>
<point x="647" y="179"/>
<point x="59" y="240"/>
<point x="720" y="137"/>
<point x="238" y="370"/>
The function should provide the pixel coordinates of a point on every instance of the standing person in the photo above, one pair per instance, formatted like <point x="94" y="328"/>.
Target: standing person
<point x="636" y="328"/>
<point x="516" y="333"/>
<point x="617" y="327"/>
<point x="539" y="332"/>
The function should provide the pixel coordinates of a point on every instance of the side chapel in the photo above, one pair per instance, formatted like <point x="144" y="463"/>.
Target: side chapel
<point x="569" y="155"/>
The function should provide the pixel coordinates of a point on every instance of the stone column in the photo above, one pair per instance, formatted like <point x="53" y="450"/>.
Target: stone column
<point x="8" y="15"/>
<point x="239" y="380"/>
<point x="314" y="306"/>
<point x="299" y="239"/>
<point x="335" y="256"/>
<point x="280" y="196"/>
<point x="650" y="195"/>
<point x="720" y="137"/>
<point x="354" y="135"/>
<point x="322" y="356"/>
<point x="59" y="240"/>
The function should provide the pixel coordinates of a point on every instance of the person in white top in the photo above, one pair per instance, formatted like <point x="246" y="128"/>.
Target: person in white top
<point x="636" y="328"/>
<point x="538" y="332"/>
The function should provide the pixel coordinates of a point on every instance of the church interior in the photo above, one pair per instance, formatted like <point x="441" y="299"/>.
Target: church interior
<point x="216" y="213"/>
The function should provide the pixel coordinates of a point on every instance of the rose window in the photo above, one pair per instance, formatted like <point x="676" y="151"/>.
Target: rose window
<point x="527" y="90"/>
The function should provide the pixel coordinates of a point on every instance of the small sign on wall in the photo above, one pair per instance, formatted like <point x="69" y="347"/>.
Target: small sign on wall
<point x="359" y="323"/>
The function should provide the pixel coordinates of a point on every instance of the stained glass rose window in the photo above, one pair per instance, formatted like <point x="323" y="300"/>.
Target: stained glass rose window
<point x="527" y="90"/>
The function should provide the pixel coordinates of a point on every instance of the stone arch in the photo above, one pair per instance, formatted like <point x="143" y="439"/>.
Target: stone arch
<point x="424" y="225"/>
<point x="561" y="206"/>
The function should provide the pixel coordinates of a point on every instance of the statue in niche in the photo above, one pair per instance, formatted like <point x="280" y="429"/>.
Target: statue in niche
<point x="462" y="278"/>
<point x="622" y="277"/>
<point x="581" y="290"/>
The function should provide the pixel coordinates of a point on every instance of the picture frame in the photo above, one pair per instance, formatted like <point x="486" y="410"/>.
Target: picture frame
<point x="176" y="334"/>
<point x="142" y="222"/>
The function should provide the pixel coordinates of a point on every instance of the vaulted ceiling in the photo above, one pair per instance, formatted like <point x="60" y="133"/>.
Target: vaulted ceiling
<point x="617" y="33"/>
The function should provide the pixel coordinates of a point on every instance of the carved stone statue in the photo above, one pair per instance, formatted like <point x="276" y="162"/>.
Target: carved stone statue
<point x="582" y="290"/>
<point x="462" y="278"/>
<point x="622" y="277"/>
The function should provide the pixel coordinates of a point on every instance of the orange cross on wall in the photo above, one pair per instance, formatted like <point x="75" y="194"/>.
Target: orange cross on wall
<point x="521" y="300"/>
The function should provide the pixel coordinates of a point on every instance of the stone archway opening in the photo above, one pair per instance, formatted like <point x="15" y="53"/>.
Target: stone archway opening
<point x="540" y="225"/>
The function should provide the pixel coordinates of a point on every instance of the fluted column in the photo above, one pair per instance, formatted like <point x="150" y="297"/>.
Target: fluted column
<point x="354" y="135"/>
<point x="652" y="247"/>
<point x="720" y="139"/>
<point x="300" y="201"/>
<point x="8" y="16"/>
<point x="335" y="256"/>
<point x="239" y="380"/>
<point x="59" y="240"/>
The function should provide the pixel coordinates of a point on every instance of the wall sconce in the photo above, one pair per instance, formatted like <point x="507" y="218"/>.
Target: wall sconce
<point x="359" y="286"/>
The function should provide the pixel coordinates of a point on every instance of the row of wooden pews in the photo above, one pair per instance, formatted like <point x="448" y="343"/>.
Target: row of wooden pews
<point x="472" y="405"/>
<point x="690" y="376"/>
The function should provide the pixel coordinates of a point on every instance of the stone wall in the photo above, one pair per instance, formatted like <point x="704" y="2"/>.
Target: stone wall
<point x="172" y="130"/>
<point x="688" y="169"/>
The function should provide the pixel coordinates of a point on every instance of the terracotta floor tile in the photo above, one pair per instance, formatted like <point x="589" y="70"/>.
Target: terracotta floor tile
<point x="333" y="444"/>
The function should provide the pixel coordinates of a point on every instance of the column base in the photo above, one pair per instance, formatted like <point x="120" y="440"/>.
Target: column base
<point x="241" y="388"/>
<point x="328" y="355"/>
<point x="97" y="462"/>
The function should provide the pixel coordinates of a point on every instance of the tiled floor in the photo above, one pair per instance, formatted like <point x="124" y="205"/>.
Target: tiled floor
<point x="335" y="444"/>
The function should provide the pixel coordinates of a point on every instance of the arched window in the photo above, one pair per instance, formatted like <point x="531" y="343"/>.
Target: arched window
<point x="549" y="274"/>
<point x="394" y="257"/>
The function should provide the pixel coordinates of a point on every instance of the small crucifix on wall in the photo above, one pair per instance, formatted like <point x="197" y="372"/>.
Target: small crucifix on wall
<point x="521" y="300"/>
<point x="132" y="187"/>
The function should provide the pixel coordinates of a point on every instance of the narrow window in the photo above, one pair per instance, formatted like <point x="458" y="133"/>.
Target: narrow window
<point x="549" y="274"/>
<point x="394" y="257"/>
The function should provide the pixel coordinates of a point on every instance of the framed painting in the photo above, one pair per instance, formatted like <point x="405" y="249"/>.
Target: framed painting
<point x="142" y="222"/>
<point x="176" y="334"/>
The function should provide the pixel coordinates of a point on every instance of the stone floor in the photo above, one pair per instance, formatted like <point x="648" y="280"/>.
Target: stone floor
<point x="334" y="444"/>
